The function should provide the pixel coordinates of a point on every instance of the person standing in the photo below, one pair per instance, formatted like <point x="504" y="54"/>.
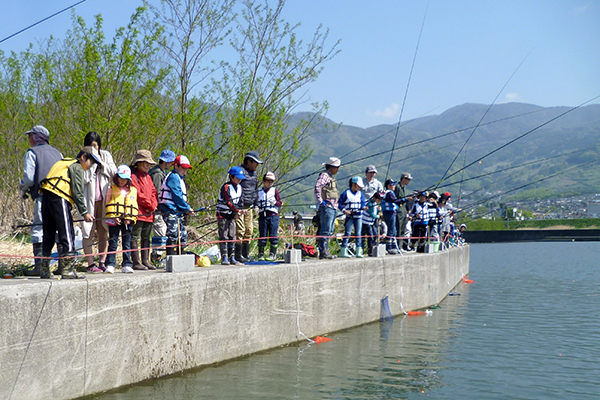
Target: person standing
<point x="158" y="173"/>
<point x="327" y="195"/>
<point x="39" y="159"/>
<point x="96" y="182"/>
<point x="244" y="223"/>
<point x="173" y="205"/>
<point x="228" y="210"/>
<point x="63" y="187"/>
<point x="402" y="212"/>
<point x="372" y="185"/>
<point x="269" y="203"/>
<point x="352" y="202"/>
<point x="147" y="200"/>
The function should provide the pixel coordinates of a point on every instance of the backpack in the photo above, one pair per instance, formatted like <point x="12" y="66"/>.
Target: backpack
<point x="308" y="250"/>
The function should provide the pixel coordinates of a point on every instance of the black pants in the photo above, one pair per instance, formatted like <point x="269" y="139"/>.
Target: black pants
<point x="56" y="214"/>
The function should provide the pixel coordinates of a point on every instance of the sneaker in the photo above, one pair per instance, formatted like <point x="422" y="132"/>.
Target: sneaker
<point x="392" y="252"/>
<point x="272" y="257"/>
<point x="102" y="266"/>
<point x="127" y="270"/>
<point x="72" y="275"/>
<point x="93" y="269"/>
<point x="109" y="269"/>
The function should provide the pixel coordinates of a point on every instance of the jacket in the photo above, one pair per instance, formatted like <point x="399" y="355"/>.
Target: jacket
<point x="65" y="180"/>
<point x="121" y="203"/>
<point x="147" y="198"/>
<point x="104" y="177"/>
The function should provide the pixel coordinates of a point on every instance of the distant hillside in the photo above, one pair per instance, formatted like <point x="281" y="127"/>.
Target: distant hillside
<point x="426" y="147"/>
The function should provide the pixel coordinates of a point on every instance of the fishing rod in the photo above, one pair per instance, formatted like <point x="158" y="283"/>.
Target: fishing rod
<point x="283" y="189"/>
<point x="518" y="138"/>
<point x="484" y="115"/>
<point x="406" y="91"/>
<point x="476" y="203"/>
<point x="514" y="167"/>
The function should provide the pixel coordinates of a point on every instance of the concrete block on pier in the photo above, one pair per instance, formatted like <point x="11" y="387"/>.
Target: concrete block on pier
<point x="182" y="263"/>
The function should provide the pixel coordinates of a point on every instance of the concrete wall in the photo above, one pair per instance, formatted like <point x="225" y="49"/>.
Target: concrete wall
<point x="64" y="339"/>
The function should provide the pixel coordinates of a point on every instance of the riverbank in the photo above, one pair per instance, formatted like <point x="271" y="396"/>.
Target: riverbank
<point x="65" y="339"/>
<point x="533" y="235"/>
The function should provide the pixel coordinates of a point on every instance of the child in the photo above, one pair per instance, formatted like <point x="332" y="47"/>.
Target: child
<point x="352" y="203"/>
<point x="63" y="187"/>
<point x="121" y="213"/>
<point x="419" y="216"/>
<point x="173" y="205"/>
<point x="434" y="215"/>
<point x="369" y="218"/>
<point x="389" y="206"/>
<point x="269" y="202"/>
<point x="147" y="199"/>
<point x="230" y="197"/>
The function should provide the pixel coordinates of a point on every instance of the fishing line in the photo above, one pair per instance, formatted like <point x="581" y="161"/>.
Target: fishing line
<point x="406" y="91"/>
<point x="481" y="120"/>
<point x="519" y="137"/>
<point x="42" y="20"/>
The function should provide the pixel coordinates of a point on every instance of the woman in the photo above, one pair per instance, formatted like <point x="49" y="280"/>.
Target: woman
<point x="96" y="181"/>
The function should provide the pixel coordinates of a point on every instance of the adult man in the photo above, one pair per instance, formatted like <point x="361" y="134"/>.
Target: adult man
<point x="243" y="223"/>
<point x="327" y="195"/>
<point x="158" y="173"/>
<point x="39" y="159"/>
<point x="402" y="211"/>
<point x="63" y="187"/>
<point x="372" y="185"/>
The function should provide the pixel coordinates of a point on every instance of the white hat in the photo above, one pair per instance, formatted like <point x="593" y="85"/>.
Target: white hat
<point x="124" y="172"/>
<point x="358" y="180"/>
<point x="333" y="161"/>
<point x="269" y="176"/>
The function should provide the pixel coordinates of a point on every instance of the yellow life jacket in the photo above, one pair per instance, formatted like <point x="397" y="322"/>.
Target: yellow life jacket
<point x="122" y="204"/>
<point x="58" y="182"/>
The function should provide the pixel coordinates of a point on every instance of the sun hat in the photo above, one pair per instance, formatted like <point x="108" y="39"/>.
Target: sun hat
<point x="39" y="130"/>
<point x="124" y="172"/>
<point x="333" y="161"/>
<point x="183" y="162"/>
<point x="237" y="172"/>
<point x="358" y="180"/>
<point x="143" y="155"/>
<point x="167" y="156"/>
<point x="254" y="156"/>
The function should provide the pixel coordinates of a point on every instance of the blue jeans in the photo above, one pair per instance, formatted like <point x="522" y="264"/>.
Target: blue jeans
<point x="114" y="231"/>
<point x="267" y="228"/>
<point x="327" y="219"/>
<point x="390" y="220"/>
<point x="356" y="222"/>
<point x="372" y="234"/>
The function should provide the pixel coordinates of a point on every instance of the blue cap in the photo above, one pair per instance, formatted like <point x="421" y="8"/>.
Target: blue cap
<point x="238" y="172"/>
<point x="167" y="156"/>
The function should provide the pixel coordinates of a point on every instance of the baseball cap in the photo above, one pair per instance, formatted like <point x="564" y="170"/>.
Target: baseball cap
<point x="237" y="172"/>
<point x="183" y="162"/>
<point x="167" y="156"/>
<point x="269" y="176"/>
<point x="40" y="130"/>
<point x="358" y="180"/>
<point x="124" y="172"/>
<point x="93" y="152"/>
<point x="371" y="168"/>
<point x="254" y="156"/>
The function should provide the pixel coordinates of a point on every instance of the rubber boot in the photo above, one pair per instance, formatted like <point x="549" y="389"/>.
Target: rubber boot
<point x="246" y="252"/>
<point x="273" y="253"/>
<point x="359" y="252"/>
<point x="325" y="254"/>
<point x="344" y="252"/>
<point x="37" y="252"/>
<point x="238" y="253"/>
<point x="230" y="249"/>
<point x="145" y="252"/>
<point x="389" y="246"/>
<point x="135" y="257"/>
<point x="69" y="269"/>
<point x="171" y="249"/>
<point x="261" y="253"/>
<point x="45" y="272"/>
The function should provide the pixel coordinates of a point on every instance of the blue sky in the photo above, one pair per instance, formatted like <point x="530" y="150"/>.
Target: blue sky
<point x="468" y="50"/>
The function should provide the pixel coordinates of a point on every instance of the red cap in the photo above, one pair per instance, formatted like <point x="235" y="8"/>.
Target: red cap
<point x="183" y="162"/>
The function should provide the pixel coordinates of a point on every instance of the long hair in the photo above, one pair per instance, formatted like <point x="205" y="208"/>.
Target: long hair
<point x="92" y="137"/>
<point x="116" y="181"/>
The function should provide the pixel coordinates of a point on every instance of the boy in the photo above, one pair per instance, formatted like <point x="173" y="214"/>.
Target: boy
<point x="389" y="206"/>
<point x="63" y="187"/>
<point x="269" y="202"/>
<point x="369" y="218"/>
<point x="228" y="208"/>
<point x="419" y="216"/>
<point x="173" y="205"/>
<point x="352" y="203"/>
<point x="158" y="173"/>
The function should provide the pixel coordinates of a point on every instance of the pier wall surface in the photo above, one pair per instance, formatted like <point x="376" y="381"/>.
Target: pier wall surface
<point x="66" y="339"/>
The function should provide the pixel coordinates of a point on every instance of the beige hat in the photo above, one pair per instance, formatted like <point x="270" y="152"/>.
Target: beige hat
<point x="143" y="155"/>
<point x="269" y="176"/>
<point x="333" y="161"/>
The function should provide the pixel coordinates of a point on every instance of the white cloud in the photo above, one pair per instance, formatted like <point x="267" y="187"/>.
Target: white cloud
<point x="513" y="97"/>
<point x="581" y="9"/>
<point x="388" y="112"/>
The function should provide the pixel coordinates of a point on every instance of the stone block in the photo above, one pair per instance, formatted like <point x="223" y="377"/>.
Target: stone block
<point x="379" y="250"/>
<point x="293" y="255"/>
<point x="182" y="263"/>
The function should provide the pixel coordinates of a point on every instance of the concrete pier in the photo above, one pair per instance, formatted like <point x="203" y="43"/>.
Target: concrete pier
<point x="66" y="339"/>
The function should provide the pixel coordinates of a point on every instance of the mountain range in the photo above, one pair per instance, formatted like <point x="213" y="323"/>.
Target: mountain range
<point x="485" y="152"/>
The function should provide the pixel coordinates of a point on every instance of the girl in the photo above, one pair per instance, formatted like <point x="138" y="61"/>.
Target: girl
<point x="352" y="203"/>
<point x="121" y="214"/>
<point x="147" y="199"/>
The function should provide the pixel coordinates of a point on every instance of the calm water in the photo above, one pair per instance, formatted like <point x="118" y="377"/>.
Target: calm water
<point x="528" y="328"/>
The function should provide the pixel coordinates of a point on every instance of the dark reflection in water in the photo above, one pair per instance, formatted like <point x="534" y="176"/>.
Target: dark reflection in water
<point x="528" y="328"/>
